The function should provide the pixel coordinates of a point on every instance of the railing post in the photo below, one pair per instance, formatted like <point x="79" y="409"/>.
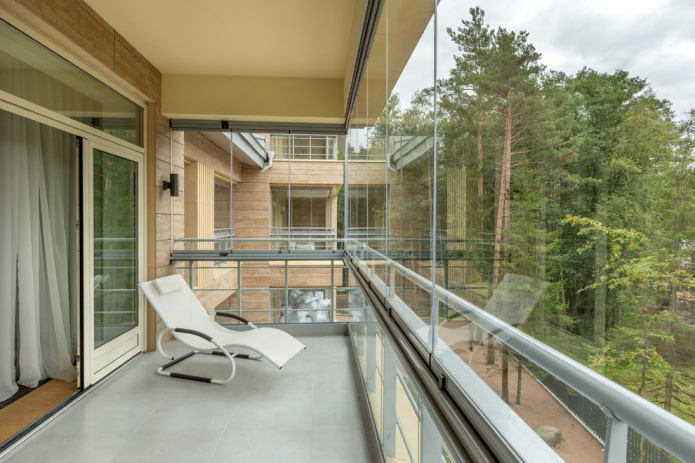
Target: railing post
<point x="616" y="441"/>
<point x="191" y="274"/>
<point x="287" y="293"/>
<point x="389" y="413"/>
<point x="391" y="291"/>
<point x="238" y="287"/>
<point x="371" y="376"/>
<point x="333" y="291"/>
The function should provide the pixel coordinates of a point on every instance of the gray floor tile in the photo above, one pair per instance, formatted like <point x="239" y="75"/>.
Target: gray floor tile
<point x="307" y="412"/>
<point x="58" y="449"/>
<point x="169" y="447"/>
<point x="265" y="446"/>
<point x="338" y="445"/>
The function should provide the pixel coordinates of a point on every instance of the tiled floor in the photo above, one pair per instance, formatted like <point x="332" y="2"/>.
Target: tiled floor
<point x="310" y="411"/>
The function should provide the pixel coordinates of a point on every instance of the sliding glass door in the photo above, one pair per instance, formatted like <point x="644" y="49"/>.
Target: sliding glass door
<point x="113" y="197"/>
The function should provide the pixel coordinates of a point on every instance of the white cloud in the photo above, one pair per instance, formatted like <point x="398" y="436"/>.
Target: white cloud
<point x="652" y="39"/>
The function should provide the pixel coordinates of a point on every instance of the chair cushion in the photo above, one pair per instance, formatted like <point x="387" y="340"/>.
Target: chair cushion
<point x="169" y="284"/>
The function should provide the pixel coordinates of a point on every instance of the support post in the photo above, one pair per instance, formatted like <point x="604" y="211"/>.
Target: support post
<point x="616" y="442"/>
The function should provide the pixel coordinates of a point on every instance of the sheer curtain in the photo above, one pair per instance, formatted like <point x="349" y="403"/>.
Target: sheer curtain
<point x="37" y="252"/>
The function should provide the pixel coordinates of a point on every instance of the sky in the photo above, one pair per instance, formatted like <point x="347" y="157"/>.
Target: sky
<point x="651" y="39"/>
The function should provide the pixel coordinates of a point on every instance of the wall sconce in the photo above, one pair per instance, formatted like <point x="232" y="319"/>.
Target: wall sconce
<point x="172" y="184"/>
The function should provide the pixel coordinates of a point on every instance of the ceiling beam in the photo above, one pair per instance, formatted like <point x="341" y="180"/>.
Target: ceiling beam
<point x="269" y="99"/>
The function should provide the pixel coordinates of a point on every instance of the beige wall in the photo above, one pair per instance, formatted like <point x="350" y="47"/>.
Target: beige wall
<point x="367" y="173"/>
<point x="199" y="148"/>
<point x="252" y="219"/>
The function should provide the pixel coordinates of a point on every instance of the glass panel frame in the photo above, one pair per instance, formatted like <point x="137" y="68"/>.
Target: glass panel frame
<point x="33" y="72"/>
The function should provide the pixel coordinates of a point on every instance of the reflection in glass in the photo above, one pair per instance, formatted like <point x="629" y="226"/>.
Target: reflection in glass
<point x="115" y="246"/>
<point x="31" y="71"/>
<point x="303" y="216"/>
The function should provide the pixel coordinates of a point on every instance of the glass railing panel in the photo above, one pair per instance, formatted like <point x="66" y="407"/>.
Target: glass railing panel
<point x="407" y="420"/>
<point x="405" y="429"/>
<point x="569" y="406"/>
<point x="572" y="425"/>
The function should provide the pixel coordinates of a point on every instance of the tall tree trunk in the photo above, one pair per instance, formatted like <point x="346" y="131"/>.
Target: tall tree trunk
<point x="481" y="178"/>
<point x="502" y="208"/>
<point x="501" y="227"/>
<point x="673" y="298"/>
<point x="668" y="392"/>
<point x="477" y="332"/>
<point x="505" y="374"/>
<point x="540" y="262"/>
<point x="463" y="220"/>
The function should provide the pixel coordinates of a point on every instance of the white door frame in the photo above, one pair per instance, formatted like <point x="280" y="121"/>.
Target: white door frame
<point x="99" y="362"/>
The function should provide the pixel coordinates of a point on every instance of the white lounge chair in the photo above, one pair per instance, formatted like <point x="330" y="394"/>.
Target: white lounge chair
<point x="187" y="320"/>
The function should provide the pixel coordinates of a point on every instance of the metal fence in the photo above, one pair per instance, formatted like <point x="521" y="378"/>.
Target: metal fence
<point x="594" y="419"/>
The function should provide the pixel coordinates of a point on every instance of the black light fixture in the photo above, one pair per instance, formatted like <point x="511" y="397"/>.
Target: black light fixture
<point x="172" y="184"/>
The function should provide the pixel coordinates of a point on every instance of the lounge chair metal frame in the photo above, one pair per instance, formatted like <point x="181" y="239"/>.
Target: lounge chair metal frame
<point x="222" y="351"/>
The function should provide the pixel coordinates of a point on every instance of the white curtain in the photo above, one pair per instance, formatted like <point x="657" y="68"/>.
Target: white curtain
<point x="38" y="249"/>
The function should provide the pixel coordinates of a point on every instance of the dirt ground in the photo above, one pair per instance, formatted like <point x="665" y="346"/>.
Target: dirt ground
<point x="537" y="407"/>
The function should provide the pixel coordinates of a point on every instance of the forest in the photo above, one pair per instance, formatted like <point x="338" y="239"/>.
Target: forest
<point x="585" y="181"/>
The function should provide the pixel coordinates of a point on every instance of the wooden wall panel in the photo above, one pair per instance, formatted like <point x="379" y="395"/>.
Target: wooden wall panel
<point x="76" y="22"/>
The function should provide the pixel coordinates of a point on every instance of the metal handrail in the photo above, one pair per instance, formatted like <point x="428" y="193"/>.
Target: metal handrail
<point x="666" y="430"/>
<point x="249" y="240"/>
<point x="302" y="231"/>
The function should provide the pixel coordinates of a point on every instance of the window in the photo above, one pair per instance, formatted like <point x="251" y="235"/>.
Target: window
<point x="366" y="211"/>
<point x="302" y="214"/>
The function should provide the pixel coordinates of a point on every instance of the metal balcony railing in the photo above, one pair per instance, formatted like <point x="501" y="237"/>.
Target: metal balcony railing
<point x="303" y="238"/>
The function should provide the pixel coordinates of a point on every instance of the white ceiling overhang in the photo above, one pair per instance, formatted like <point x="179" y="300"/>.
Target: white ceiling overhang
<point x="243" y="145"/>
<point x="267" y="61"/>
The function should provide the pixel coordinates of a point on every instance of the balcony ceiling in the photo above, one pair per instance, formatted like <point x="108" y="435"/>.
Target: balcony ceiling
<point x="236" y="59"/>
<point x="270" y="38"/>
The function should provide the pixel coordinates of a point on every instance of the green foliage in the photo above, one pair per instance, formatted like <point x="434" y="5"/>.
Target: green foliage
<point x="600" y="201"/>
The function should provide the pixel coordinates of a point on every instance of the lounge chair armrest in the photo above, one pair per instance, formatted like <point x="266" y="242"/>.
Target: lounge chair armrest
<point x="197" y="333"/>
<point x="234" y="316"/>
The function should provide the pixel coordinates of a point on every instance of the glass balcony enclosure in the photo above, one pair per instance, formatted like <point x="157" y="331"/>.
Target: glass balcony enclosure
<point x="547" y="304"/>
